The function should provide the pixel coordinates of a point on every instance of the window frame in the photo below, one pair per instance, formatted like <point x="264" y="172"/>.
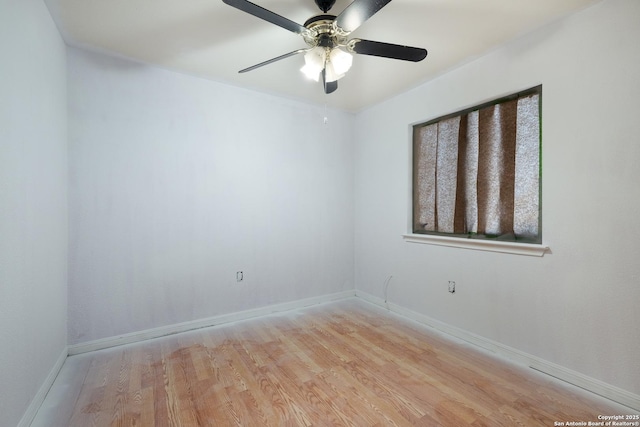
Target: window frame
<point x="469" y="241"/>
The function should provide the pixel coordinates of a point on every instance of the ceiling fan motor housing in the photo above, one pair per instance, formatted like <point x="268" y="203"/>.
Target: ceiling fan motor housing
<point x="323" y="32"/>
<point x="325" y="5"/>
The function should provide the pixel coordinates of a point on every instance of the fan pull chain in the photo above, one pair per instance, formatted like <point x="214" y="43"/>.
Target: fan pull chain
<point x="326" y="119"/>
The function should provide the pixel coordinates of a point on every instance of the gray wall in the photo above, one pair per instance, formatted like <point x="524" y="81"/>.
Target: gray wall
<point x="176" y="183"/>
<point x="33" y="203"/>
<point x="577" y="306"/>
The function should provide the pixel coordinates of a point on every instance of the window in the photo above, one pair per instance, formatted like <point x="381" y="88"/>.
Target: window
<point x="476" y="173"/>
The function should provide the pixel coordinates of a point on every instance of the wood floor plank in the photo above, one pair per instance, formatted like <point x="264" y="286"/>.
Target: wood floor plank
<point x="339" y="364"/>
<point x="381" y="410"/>
<point x="355" y="412"/>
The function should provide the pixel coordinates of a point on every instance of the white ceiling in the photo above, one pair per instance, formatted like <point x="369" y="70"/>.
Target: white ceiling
<point x="210" y="39"/>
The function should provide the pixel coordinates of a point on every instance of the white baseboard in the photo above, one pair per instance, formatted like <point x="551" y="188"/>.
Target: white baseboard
<point x="585" y="382"/>
<point x="37" y="400"/>
<point x="203" y="323"/>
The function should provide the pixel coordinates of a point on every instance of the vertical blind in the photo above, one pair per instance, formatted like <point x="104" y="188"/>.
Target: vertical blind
<point x="477" y="173"/>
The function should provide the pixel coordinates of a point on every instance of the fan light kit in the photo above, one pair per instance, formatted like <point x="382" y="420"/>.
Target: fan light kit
<point x="329" y="51"/>
<point x="335" y="63"/>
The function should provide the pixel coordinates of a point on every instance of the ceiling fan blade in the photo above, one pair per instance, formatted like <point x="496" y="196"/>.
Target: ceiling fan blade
<point x="267" y="15"/>
<point x="277" y="58"/>
<point x="329" y="87"/>
<point x="357" y="12"/>
<point x="387" y="50"/>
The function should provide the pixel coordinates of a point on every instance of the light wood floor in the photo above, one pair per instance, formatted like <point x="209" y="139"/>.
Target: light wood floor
<point x="340" y="364"/>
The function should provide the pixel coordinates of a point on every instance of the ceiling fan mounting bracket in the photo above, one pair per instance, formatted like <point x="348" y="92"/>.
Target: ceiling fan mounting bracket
<point x="325" y="5"/>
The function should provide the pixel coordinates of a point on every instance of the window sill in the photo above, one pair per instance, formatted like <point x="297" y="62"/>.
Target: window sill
<point x="477" y="244"/>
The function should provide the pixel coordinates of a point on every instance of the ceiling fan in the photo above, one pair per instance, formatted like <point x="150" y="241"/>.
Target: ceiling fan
<point x="328" y="54"/>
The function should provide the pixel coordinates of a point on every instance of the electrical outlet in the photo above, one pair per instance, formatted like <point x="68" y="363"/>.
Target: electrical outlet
<point x="452" y="286"/>
<point x="239" y="276"/>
